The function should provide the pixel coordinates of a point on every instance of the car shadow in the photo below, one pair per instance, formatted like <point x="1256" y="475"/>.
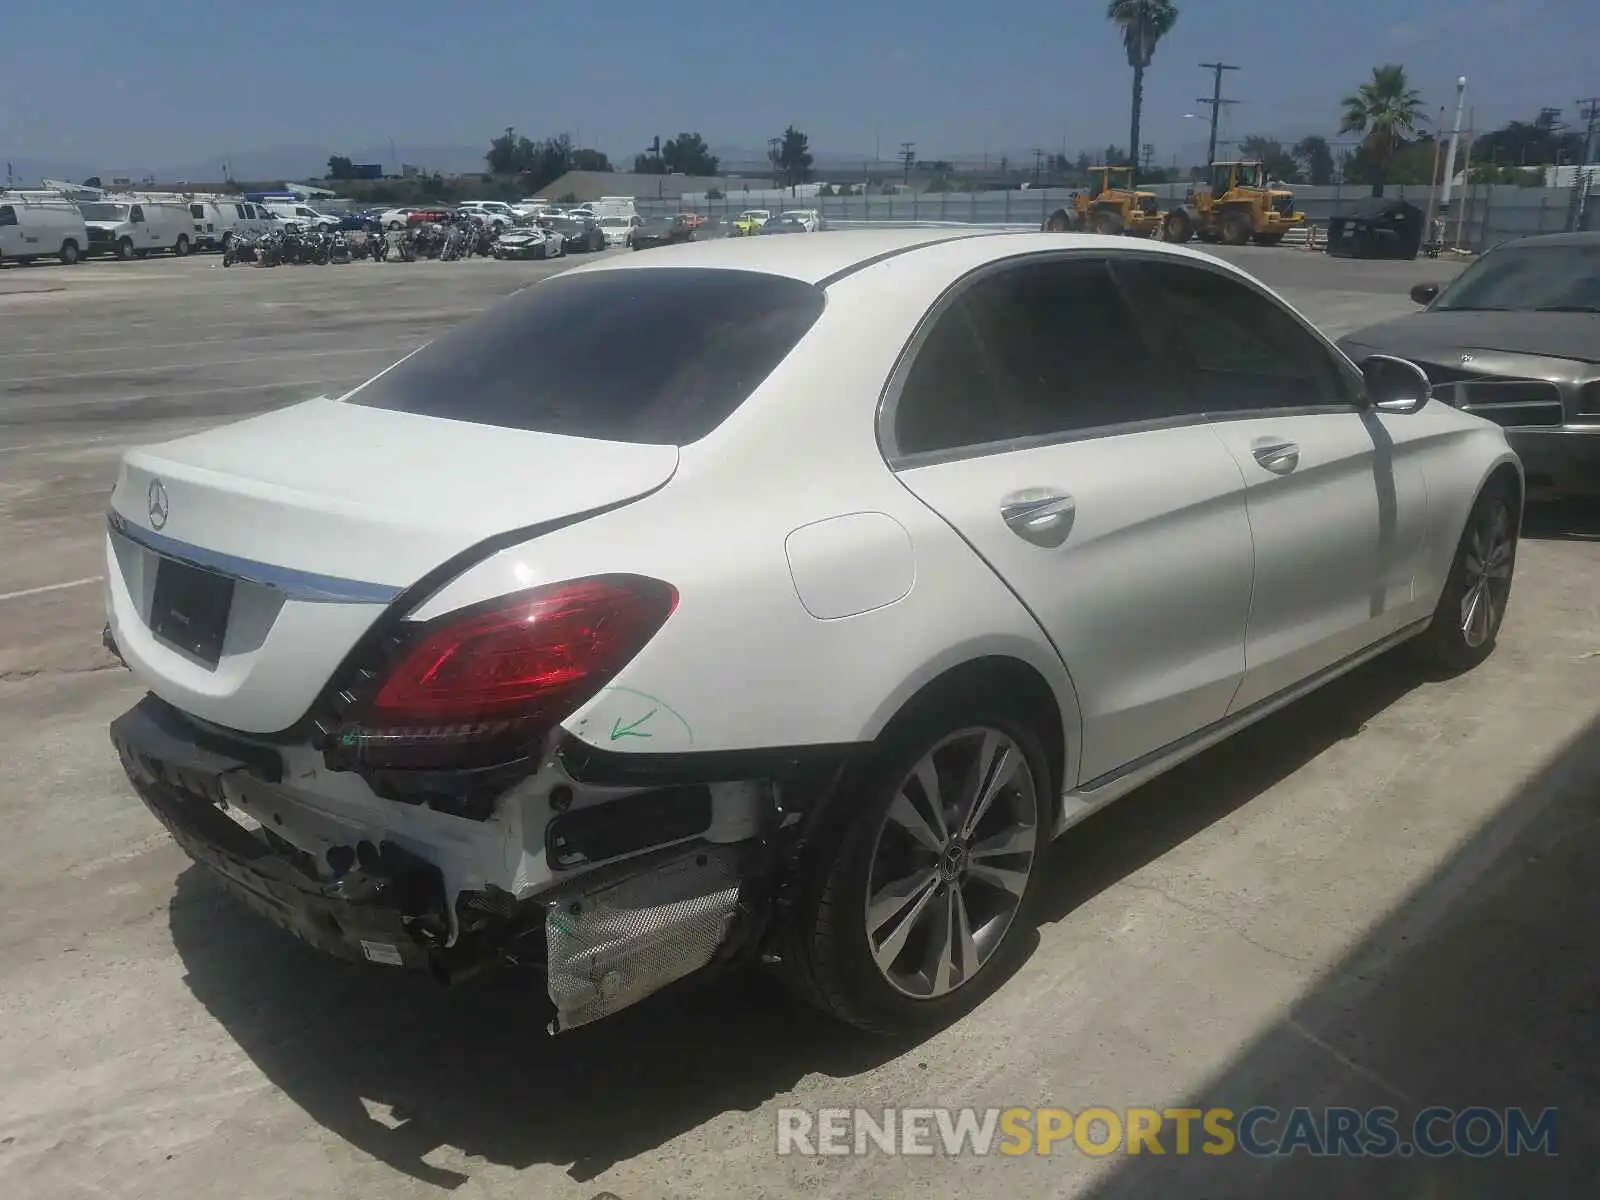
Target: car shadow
<point x="1563" y="520"/>
<point x="1169" y="810"/>
<point x="1478" y="989"/>
<point x="471" y="1068"/>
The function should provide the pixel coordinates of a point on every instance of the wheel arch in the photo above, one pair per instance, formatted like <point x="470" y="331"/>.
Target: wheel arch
<point x="1051" y="706"/>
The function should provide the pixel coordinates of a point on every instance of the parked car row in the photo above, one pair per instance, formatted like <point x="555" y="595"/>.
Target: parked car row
<point x="40" y="224"/>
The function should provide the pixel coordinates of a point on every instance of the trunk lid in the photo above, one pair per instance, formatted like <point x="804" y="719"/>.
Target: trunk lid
<point x="321" y="514"/>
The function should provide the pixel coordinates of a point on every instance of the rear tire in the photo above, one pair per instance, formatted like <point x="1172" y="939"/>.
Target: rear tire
<point x="70" y="254"/>
<point x="1466" y="622"/>
<point x="180" y="248"/>
<point x="904" y="920"/>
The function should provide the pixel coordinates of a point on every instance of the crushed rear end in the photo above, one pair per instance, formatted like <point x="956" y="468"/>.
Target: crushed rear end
<point x="399" y="790"/>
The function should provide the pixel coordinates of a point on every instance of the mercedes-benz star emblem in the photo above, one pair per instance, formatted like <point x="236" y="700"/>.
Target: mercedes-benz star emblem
<point x="1466" y="360"/>
<point x="158" y="504"/>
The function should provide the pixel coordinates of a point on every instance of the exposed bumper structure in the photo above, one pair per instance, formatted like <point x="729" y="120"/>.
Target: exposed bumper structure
<point x="644" y="889"/>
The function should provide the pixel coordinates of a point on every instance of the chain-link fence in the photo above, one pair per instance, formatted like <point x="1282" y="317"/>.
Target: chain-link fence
<point x="1479" y="215"/>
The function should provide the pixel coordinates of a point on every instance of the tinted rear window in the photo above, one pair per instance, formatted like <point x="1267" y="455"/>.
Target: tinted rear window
<point x="657" y="356"/>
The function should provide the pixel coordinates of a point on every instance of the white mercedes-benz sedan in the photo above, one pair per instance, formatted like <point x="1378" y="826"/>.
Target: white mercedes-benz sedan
<point x="774" y="600"/>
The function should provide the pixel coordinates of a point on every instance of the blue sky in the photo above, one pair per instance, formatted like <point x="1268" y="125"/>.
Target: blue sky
<point x="163" y="81"/>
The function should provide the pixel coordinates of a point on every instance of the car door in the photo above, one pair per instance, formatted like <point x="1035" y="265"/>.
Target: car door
<point x="11" y="234"/>
<point x="1337" y="509"/>
<point x="1033" y="417"/>
<point x="142" y="233"/>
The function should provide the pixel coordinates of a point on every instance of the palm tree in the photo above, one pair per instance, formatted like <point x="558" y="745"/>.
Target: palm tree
<point x="1143" y="23"/>
<point x="1384" y="111"/>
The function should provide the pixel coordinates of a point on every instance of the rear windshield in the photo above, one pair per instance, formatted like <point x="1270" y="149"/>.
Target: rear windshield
<point x="658" y="355"/>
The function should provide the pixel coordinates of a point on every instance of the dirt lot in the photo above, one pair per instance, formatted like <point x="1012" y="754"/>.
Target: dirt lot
<point x="1383" y="895"/>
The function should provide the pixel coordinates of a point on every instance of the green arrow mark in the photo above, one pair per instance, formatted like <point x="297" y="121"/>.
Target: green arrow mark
<point x="631" y="729"/>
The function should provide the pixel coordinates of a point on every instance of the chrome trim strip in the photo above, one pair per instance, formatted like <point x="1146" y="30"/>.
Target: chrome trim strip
<point x="305" y="586"/>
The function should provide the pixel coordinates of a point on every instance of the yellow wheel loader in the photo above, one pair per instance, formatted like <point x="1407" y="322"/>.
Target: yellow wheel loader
<point x="1111" y="205"/>
<point x="1240" y="206"/>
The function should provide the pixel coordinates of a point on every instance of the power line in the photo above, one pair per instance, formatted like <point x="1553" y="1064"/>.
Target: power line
<point x="1215" y="103"/>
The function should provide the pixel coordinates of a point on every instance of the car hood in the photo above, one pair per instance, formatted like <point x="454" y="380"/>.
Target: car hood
<point x="1444" y="336"/>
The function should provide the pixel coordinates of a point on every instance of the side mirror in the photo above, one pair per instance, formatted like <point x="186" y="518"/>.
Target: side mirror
<point x="1424" y="293"/>
<point x="1395" y="385"/>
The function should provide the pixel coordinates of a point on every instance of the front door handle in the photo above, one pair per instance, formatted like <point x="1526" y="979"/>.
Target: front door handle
<point x="1042" y="516"/>
<point x="1276" y="455"/>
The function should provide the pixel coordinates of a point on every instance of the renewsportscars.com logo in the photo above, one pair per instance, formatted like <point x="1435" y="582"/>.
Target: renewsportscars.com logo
<point x="1260" y="1132"/>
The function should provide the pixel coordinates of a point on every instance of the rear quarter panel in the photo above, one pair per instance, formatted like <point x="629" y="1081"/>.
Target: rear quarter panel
<point x="742" y="664"/>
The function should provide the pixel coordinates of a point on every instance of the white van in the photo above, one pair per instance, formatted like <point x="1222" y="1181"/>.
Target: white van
<point x="219" y="219"/>
<point x="130" y="228"/>
<point x="304" y="216"/>
<point x="40" y="226"/>
<point x="614" y="206"/>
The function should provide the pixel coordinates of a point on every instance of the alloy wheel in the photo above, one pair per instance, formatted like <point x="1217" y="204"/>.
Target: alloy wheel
<point x="952" y="862"/>
<point x="1487" y="562"/>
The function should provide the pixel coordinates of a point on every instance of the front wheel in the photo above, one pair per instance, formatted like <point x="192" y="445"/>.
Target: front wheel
<point x="1236" y="229"/>
<point x="125" y="249"/>
<point x="911" y="907"/>
<point x="1472" y="606"/>
<point x="1178" y="228"/>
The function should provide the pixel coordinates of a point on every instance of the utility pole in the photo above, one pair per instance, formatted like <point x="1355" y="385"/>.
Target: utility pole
<point x="1589" y="111"/>
<point x="1038" y="165"/>
<point x="1215" y="102"/>
<point x="773" y="144"/>
<point x="1450" y="154"/>
<point x="908" y="156"/>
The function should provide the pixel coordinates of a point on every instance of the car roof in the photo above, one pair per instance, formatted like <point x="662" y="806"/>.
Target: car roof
<point x="823" y="257"/>
<point x="1580" y="238"/>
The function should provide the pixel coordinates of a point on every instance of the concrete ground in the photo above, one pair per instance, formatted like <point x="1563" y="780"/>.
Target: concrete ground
<point x="1384" y="894"/>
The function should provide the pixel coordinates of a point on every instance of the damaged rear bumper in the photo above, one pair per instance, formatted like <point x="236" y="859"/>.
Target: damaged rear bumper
<point x="605" y="937"/>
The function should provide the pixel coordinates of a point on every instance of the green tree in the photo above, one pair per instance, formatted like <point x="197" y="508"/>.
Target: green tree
<point x="590" y="160"/>
<point x="688" y="154"/>
<point x="1279" y="162"/>
<point x="340" y="167"/>
<point x="1143" y="23"/>
<point x="1316" y="159"/>
<point x="1540" y="142"/>
<point x="794" y="157"/>
<point x="502" y="155"/>
<point x="1385" y="111"/>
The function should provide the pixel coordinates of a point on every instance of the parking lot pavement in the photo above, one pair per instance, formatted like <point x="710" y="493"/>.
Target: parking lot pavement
<point x="1382" y="894"/>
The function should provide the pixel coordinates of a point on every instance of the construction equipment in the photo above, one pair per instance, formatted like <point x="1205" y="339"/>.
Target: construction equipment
<point x="1240" y="206"/>
<point x="1110" y="206"/>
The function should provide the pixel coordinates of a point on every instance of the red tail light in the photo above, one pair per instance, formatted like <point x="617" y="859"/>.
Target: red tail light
<point x="480" y="687"/>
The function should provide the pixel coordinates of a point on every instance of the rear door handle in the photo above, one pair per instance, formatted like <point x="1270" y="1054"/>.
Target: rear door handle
<point x="1276" y="455"/>
<point x="1042" y="516"/>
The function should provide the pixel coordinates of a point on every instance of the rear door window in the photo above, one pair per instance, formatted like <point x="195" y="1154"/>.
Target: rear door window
<point x="659" y="356"/>
<point x="1042" y="350"/>
<point x="8" y="215"/>
<point x="1242" y="351"/>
